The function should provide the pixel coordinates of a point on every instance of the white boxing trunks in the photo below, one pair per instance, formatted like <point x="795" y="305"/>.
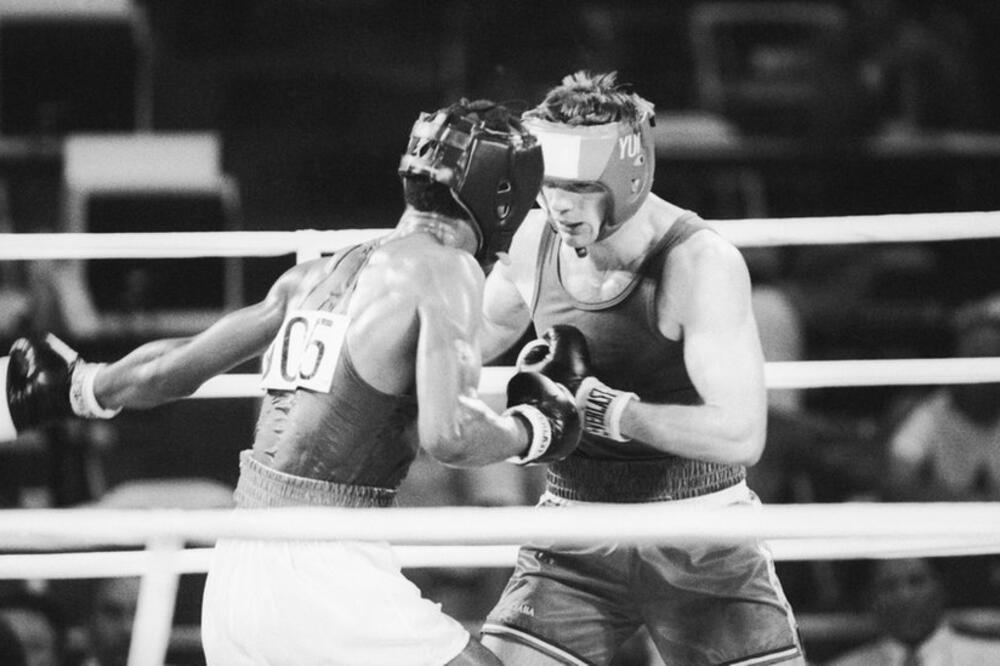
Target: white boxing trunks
<point x="305" y="603"/>
<point x="310" y="602"/>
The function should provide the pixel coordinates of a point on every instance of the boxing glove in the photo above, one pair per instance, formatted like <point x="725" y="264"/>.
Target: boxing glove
<point x="562" y="355"/>
<point x="549" y="411"/>
<point x="44" y="381"/>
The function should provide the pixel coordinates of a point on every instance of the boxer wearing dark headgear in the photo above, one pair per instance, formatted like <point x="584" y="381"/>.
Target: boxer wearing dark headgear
<point x="360" y="351"/>
<point x="644" y="313"/>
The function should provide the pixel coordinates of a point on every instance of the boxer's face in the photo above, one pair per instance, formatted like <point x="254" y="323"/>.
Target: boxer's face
<point x="576" y="210"/>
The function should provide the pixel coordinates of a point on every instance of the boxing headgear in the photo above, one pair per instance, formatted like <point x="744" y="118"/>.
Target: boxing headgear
<point x="495" y="176"/>
<point x="618" y="156"/>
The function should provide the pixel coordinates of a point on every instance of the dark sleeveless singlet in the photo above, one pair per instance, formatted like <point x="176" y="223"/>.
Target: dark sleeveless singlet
<point x="628" y="353"/>
<point x="355" y="436"/>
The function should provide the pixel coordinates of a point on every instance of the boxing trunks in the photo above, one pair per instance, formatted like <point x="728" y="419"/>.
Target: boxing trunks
<point x="317" y="602"/>
<point x="704" y="604"/>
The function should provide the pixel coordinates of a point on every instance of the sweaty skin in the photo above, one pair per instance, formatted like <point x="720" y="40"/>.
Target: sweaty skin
<point x="413" y="302"/>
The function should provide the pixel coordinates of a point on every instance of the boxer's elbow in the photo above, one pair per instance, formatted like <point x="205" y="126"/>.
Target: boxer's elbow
<point x="442" y="437"/>
<point x="750" y="452"/>
<point x="465" y="432"/>
<point x="448" y="448"/>
<point x="745" y="443"/>
<point x="731" y="435"/>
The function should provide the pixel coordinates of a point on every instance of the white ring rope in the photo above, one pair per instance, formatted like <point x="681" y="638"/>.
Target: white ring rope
<point x="643" y="523"/>
<point x="749" y="232"/>
<point x="912" y="227"/>
<point x="778" y="375"/>
<point x="112" y="564"/>
<point x="426" y="537"/>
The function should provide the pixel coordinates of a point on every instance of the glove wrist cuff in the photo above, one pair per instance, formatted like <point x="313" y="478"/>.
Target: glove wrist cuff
<point x="539" y="429"/>
<point x="81" y="392"/>
<point x="602" y="407"/>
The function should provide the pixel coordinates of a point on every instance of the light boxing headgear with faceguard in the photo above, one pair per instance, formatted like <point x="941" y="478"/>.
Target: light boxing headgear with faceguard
<point x="618" y="156"/>
<point x="493" y="175"/>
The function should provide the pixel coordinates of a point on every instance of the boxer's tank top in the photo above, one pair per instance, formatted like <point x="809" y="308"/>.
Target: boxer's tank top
<point x="350" y="433"/>
<point x="628" y="353"/>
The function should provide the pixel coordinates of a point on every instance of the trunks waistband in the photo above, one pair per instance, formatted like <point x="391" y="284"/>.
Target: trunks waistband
<point x="734" y="494"/>
<point x="631" y="481"/>
<point x="261" y="487"/>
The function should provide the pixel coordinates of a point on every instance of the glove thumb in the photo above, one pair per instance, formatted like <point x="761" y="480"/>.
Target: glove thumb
<point x="532" y="356"/>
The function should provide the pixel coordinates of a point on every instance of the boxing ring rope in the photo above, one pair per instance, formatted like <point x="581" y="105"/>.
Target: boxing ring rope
<point x="442" y="536"/>
<point x="777" y="375"/>
<point x="848" y="525"/>
<point x="898" y="228"/>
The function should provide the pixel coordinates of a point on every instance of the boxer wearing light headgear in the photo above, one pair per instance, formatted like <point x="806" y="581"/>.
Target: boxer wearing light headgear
<point x="618" y="156"/>
<point x="643" y="312"/>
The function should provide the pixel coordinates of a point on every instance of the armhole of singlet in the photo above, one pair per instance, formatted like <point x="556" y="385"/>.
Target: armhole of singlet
<point x="345" y="355"/>
<point x="686" y="225"/>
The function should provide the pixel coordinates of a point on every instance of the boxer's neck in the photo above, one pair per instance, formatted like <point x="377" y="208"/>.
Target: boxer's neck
<point x="445" y="229"/>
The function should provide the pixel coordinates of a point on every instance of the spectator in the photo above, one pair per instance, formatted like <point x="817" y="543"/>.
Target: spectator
<point x="11" y="650"/>
<point x="947" y="446"/>
<point x="40" y="626"/>
<point x="109" y="625"/>
<point x="907" y="598"/>
<point x="915" y="60"/>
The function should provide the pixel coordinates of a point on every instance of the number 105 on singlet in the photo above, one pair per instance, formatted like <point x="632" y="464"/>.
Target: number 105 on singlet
<point x="305" y="351"/>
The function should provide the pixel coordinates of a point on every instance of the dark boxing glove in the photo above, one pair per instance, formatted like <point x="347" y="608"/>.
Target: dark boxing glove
<point x="562" y="355"/>
<point x="550" y="413"/>
<point x="44" y="381"/>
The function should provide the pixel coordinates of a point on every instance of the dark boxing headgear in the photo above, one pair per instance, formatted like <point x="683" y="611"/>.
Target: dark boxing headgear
<point x="494" y="175"/>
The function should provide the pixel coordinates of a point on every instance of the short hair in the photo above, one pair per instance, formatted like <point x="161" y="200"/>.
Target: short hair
<point x="584" y="98"/>
<point x="429" y="196"/>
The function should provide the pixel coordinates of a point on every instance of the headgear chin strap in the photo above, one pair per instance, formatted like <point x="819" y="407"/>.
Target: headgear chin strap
<point x="495" y="176"/>
<point x="619" y="156"/>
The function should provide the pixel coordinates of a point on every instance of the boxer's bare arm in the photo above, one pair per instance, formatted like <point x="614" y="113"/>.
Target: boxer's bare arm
<point x="170" y="369"/>
<point x="708" y="297"/>
<point x="455" y="425"/>
<point x="508" y="291"/>
<point x="505" y="314"/>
